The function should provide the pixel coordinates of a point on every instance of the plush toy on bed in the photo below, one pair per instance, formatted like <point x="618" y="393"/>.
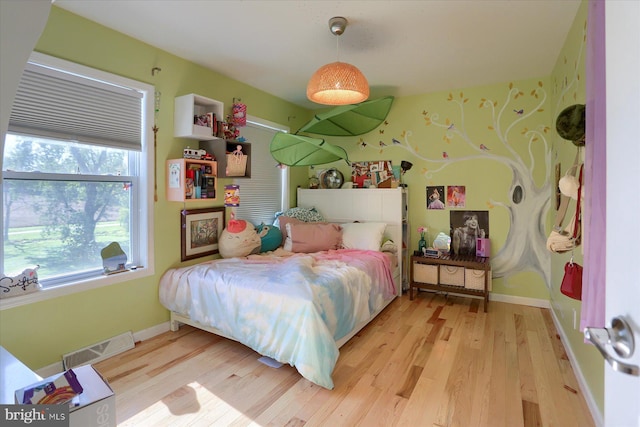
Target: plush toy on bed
<point x="239" y="239"/>
<point x="270" y="236"/>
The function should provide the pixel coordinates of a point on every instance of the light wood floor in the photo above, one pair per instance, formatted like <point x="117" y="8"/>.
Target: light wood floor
<point x="433" y="361"/>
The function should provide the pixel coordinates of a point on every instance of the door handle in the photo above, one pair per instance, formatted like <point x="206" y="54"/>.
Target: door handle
<point x="620" y="337"/>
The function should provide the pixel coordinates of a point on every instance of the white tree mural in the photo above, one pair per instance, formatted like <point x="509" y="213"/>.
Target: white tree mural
<point x="527" y="202"/>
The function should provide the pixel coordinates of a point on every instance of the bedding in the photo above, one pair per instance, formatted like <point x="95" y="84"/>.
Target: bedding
<point x="292" y="307"/>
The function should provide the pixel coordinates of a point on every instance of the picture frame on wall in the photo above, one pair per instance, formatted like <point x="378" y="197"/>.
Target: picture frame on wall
<point x="456" y="196"/>
<point x="435" y="197"/>
<point x="465" y="228"/>
<point x="200" y="231"/>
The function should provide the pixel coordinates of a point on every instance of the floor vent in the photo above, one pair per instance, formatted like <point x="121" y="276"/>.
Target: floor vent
<point x="99" y="351"/>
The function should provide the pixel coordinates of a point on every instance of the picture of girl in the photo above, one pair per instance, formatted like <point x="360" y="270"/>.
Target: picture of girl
<point x="434" y="196"/>
<point x="466" y="227"/>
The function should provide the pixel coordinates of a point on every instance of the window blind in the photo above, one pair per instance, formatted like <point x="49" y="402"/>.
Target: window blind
<point x="55" y="104"/>
<point x="263" y="194"/>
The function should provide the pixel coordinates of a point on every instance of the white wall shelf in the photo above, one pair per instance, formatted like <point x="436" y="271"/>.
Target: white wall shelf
<point x="188" y="106"/>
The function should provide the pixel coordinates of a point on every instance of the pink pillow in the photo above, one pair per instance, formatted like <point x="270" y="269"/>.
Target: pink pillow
<point x="312" y="237"/>
<point x="282" y="223"/>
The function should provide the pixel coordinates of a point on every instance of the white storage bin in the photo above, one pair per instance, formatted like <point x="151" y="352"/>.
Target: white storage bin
<point x="424" y="273"/>
<point x="474" y="279"/>
<point x="452" y="276"/>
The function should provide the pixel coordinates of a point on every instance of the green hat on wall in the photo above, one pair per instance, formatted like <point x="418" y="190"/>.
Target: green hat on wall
<point x="570" y="124"/>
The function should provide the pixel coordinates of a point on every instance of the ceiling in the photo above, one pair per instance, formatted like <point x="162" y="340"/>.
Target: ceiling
<point x="403" y="47"/>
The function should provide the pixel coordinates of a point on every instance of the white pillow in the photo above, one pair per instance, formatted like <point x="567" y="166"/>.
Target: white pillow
<point x="362" y="235"/>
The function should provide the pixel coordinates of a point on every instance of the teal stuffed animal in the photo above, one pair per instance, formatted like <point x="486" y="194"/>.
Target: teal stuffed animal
<point x="270" y="237"/>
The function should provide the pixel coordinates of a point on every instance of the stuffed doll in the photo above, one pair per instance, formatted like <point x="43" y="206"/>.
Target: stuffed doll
<point x="239" y="239"/>
<point x="270" y="237"/>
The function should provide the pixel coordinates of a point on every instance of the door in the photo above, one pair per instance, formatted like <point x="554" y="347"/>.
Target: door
<point x="622" y="391"/>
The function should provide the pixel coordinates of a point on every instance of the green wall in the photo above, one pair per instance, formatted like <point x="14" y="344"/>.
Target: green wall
<point x="40" y="333"/>
<point x="568" y="81"/>
<point x="516" y="149"/>
<point x="421" y="128"/>
<point x="522" y="150"/>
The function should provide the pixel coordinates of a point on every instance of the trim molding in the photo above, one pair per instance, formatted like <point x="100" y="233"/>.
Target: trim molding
<point x="533" y="302"/>
<point x="142" y="335"/>
<point x="598" y="417"/>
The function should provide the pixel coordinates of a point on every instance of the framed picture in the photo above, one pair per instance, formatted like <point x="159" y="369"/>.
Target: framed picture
<point x="466" y="227"/>
<point x="435" y="197"/>
<point x="456" y="196"/>
<point x="200" y="232"/>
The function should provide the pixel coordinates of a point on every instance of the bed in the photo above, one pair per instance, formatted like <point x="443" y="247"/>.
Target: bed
<point x="294" y="307"/>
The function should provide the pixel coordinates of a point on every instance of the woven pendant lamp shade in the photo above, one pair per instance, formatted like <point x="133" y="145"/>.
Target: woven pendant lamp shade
<point x="338" y="83"/>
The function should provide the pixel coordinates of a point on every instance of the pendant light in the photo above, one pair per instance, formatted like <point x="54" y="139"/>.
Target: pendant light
<point x="338" y="83"/>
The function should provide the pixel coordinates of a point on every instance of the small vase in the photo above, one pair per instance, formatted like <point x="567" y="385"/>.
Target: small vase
<point x="422" y="244"/>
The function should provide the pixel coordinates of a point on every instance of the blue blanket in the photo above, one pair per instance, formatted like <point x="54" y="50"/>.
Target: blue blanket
<point x="291" y="308"/>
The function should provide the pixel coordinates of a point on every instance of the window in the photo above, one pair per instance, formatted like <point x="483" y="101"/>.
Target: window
<point x="267" y="191"/>
<point x="76" y="164"/>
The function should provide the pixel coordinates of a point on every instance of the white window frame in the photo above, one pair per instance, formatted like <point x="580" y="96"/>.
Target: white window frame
<point x="145" y="214"/>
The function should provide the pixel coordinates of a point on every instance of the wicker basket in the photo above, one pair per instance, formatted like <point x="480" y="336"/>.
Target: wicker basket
<point x="236" y="164"/>
<point x="453" y="276"/>
<point x="474" y="279"/>
<point x="425" y="273"/>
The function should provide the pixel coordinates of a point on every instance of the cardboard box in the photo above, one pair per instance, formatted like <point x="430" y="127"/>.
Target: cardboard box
<point x="97" y="403"/>
<point x="58" y="389"/>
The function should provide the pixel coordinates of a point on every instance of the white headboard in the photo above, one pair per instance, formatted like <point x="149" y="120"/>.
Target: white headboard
<point x="364" y="205"/>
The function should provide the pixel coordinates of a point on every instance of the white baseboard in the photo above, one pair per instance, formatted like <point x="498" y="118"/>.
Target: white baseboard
<point x="598" y="417"/>
<point x="533" y="302"/>
<point x="151" y="332"/>
<point x="142" y="335"/>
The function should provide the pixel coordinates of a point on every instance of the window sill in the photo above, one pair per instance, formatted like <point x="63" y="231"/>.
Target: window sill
<point x="75" y="287"/>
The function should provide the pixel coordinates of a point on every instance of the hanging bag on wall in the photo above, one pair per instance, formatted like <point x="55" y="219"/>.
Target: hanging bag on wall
<point x="559" y="240"/>
<point x="572" y="281"/>
<point x="236" y="162"/>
